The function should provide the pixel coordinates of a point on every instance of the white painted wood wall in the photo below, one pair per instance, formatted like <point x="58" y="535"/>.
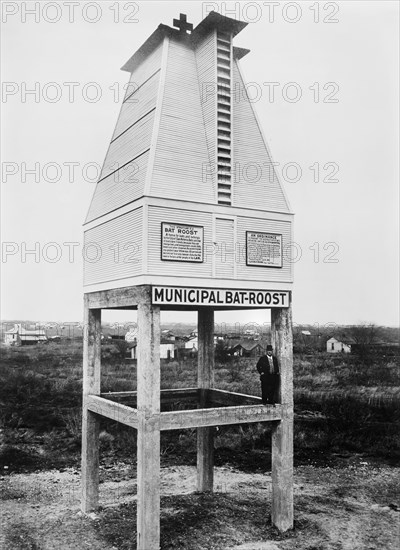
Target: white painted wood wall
<point x="159" y="169"/>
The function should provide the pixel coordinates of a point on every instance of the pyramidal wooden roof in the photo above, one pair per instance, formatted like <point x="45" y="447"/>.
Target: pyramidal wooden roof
<point x="186" y="129"/>
<point x="212" y="21"/>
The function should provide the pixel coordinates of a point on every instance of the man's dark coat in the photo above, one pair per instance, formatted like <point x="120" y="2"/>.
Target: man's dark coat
<point x="269" y="380"/>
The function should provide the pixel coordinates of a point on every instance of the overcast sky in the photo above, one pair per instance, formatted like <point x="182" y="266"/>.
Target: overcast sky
<point x="334" y="108"/>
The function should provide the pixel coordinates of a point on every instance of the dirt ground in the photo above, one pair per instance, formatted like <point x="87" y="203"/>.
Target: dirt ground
<point x="353" y="507"/>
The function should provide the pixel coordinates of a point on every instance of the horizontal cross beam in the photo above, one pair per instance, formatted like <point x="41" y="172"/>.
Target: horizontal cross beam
<point x="224" y="397"/>
<point x="177" y="393"/>
<point x="219" y="416"/>
<point x="211" y="396"/>
<point x="193" y="418"/>
<point x="127" y="297"/>
<point x="111" y="409"/>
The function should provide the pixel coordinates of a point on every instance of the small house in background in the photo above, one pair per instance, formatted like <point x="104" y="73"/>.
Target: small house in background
<point x="20" y="336"/>
<point x="168" y="346"/>
<point x="192" y="343"/>
<point x="168" y="350"/>
<point x="131" y="335"/>
<point x="338" y="346"/>
<point x="247" y="348"/>
<point x="168" y="335"/>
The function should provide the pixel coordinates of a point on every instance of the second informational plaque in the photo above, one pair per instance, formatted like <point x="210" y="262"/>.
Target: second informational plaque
<point x="263" y="249"/>
<point x="182" y="243"/>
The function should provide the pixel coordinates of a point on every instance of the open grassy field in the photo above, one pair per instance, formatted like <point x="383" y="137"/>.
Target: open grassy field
<point x="342" y="406"/>
<point x="347" y="453"/>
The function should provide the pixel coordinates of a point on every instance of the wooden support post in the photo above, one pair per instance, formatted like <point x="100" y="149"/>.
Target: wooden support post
<point x="90" y="421"/>
<point x="205" y="376"/>
<point x="148" y="440"/>
<point x="282" y="435"/>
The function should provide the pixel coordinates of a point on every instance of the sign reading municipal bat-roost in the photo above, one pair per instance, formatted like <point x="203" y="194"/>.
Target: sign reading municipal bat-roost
<point x="184" y="296"/>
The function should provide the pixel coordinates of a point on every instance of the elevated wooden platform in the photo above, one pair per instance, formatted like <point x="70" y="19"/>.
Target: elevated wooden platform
<point x="148" y="409"/>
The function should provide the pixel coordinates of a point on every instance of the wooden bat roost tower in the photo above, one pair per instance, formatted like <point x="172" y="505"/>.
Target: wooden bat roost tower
<point x="188" y="213"/>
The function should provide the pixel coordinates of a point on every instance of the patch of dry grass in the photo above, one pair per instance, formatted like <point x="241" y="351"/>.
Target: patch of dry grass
<point x="341" y="404"/>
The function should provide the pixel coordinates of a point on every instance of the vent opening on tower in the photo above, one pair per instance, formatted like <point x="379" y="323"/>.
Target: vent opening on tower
<point x="224" y="117"/>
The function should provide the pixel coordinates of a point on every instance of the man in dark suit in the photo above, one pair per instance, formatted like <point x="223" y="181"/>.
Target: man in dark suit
<point x="268" y="368"/>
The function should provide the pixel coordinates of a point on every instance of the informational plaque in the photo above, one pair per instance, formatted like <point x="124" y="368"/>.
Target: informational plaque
<point x="263" y="249"/>
<point x="182" y="243"/>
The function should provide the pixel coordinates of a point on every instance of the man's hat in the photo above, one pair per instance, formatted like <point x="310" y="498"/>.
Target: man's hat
<point x="269" y="347"/>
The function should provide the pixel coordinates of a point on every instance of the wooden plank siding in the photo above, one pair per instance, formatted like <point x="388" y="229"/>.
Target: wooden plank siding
<point x="223" y="261"/>
<point x="225" y="253"/>
<point x="165" y="154"/>
<point x="156" y="216"/>
<point x="116" y="249"/>
<point x="120" y="188"/>
<point x="125" y="166"/>
<point x="255" y="184"/>
<point x="181" y="150"/>
<point x="144" y="71"/>
<point x="137" y="105"/>
<point x="129" y="146"/>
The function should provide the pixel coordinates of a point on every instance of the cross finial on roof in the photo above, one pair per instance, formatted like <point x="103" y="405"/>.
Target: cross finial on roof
<point x="182" y="23"/>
